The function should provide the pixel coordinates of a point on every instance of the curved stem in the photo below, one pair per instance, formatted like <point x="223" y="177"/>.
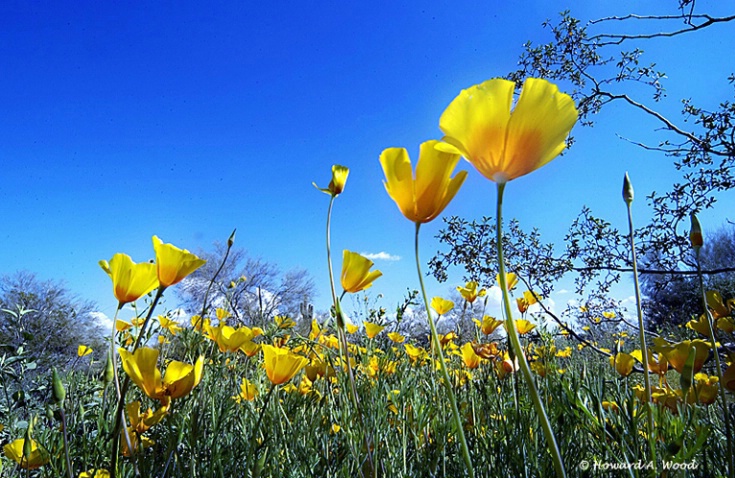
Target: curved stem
<point x="518" y="349"/>
<point x="642" y="335"/>
<point x="343" y="346"/>
<point x="442" y="366"/>
<point x="723" y="396"/>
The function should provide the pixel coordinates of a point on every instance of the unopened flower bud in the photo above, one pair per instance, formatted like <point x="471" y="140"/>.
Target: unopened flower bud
<point x="109" y="374"/>
<point x="231" y="239"/>
<point x="695" y="233"/>
<point x="627" y="190"/>
<point x="27" y="442"/>
<point x="59" y="393"/>
<point x="687" y="373"/>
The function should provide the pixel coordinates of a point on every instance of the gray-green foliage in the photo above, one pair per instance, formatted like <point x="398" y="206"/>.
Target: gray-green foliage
<point x="253" y="289"/>
<point x="46" y="319"/>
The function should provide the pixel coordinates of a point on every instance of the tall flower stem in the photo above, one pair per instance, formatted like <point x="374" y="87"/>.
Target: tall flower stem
<point x="642" y="335"/>
<point x="723" y="396"/>
<point x="517" y="348"/>
<point x="124" y="389"/>
<point x="442" y="366"/>
<point x="344" y="351"/>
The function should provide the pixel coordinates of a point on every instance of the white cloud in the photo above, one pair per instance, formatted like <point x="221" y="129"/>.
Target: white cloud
<point x="380" y="256"/>
<point x="102" y="318"/>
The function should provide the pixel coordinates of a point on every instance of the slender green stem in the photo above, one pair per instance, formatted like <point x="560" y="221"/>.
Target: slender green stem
<point x="642" y="335"/>
<point x="442" y="366"/>
<point x="69" y="472"/>
<point x="723" y="396"/>
<point x="516" y="344"/>
<point x="343" y="346"/>
<point x="124" y="389"/>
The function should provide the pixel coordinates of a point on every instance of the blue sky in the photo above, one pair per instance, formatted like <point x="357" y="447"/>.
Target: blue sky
<point x="121" y="121"/>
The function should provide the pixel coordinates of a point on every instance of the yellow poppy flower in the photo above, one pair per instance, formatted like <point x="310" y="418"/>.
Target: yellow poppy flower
<point x="174" y="264"/>
<point x="441" y="306"/>
<point x="198" y="323"/>
<point x="248" y="391"/>
<point x="337" y="184"/>
<point x="142" y="423"/>
<point x="623" y="363"/>
<point x="469" y="357"/>
<point x="94" y="474"/>
<point x="137" y="442"/>
<point x="511" y="280"/>
<point x="83" y="350"/>
<point x="179" y="380"/>
<point x="130" y="281"/>
<point x="415" y="353"/>
<point x="351" y="328"/>
<point x="610" y="406"/>
<point x="228" y="338"/>
<point x="715" y="302"/>
<point x="486" y="351"/>
<point x="470" y="293"/>
<point x="677" y="353"/>
<point x="38" y="457"/>
<point x="488" y="324"/>
<point x="526" y="301"/>
<point x="728" y="378"/>
<point x="281" y="364"/>
<point x="726" y="324"/>
<point x="250" y="348"/>
<point x="505" y="145"/>
<point x="169" y="324"/>
<point x="423" y="196"/>
<point x="356" y="274"/>
<point x="706" y="389"/>
<point x="700" y="325"/>
<point x="524" y="326"/>
<point x="284" y="322"/>
<point x="371" y="329"/>
<point x="396" y="337"/>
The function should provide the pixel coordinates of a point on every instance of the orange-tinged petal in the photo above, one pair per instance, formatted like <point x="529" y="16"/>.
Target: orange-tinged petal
<point x="476" y="121"/>
<point x="489" y="324"/>
<point x="623" y="363"/>
<point x="421" y="198"/>
<point x="504" y="145"/>
<point x="281" y="365"/>
<point x="356" y="274"/>
<point x="174" y="264"/>
<point x="182" y="377"/>
<point x="141" y="368"/>
<point x="130" y="281"/>
<point x="469" y="357"/>
<point x="432" y="185"/>
<point x="524" y="326"/>
<point x="399" y="179"/>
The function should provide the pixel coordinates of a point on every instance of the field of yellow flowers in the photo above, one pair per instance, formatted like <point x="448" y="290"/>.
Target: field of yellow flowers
<point x="217" y="398"/>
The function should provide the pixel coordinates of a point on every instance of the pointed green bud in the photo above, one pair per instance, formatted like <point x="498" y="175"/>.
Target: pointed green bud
<point x="231" y="239"/>
<point x="687" y="373"/>
<point x="57" y="387"/>
<point x="109" y="374"/>
<point x="627" y="189"/>
<point x="695" y="233"/>
<point x="27" y="444"/>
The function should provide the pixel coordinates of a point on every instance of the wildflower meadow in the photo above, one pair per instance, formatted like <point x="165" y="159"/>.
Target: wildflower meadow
<point x="215" y="397"/>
